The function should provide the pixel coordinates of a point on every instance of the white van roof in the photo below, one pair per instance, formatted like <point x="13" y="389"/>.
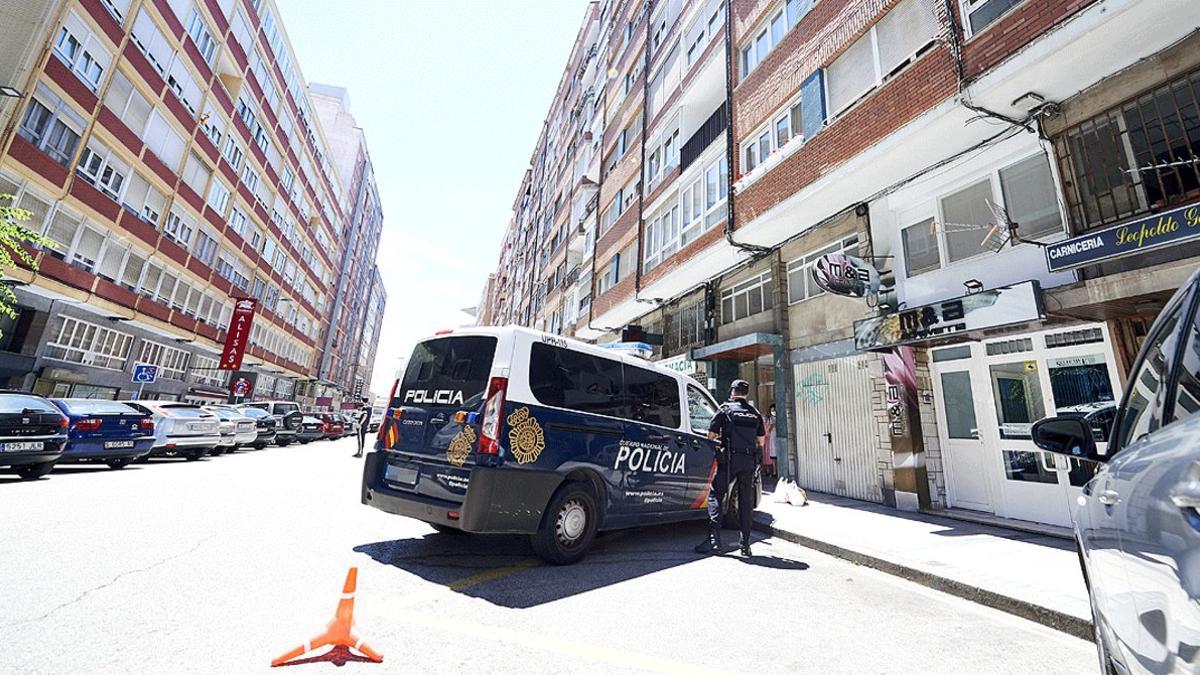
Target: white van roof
<point x="571" y="343"/>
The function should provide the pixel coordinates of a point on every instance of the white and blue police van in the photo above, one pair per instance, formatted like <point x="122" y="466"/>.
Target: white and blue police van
<point x="511" y="430"/>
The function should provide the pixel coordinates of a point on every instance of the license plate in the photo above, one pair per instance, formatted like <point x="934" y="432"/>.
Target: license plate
<point x="22" y="446"/>
<point x="400" y="474"/>
<point x="118" y="444"/>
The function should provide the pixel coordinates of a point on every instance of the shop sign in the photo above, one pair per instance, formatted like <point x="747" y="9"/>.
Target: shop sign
<point x="239" y="333"/>
<point x="843" y="274"/>
<point x="992" y="308"/>
<point x="1138" y="236"/>
<point x="324" y="401"/>
<point x="1075" y="361"/>
<point x="679" y="364"/>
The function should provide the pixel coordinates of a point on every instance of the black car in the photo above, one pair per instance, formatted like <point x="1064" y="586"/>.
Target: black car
<point x="264" y="424"/>
<point x="312" y="428"/>
<point x="33" y="433"/>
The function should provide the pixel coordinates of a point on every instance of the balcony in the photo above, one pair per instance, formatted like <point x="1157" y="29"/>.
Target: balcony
<point x="708" y="132"/>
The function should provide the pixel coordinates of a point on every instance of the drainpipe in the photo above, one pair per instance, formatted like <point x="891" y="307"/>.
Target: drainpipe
<point x="752" y="249"/>
<point x="641" y="226"/>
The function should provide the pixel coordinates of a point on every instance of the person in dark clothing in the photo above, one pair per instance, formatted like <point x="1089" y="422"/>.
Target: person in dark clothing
<point x="364" y="419"/>
<point x="739" y="431"/>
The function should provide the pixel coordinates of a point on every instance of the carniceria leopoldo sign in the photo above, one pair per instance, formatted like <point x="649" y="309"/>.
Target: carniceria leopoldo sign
<point x="1137" y="236"/>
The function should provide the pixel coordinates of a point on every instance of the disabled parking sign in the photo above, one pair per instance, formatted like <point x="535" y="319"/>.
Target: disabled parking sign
<point x="145" y="373"/>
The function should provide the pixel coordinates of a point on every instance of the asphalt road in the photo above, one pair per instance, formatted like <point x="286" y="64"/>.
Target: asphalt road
<point x="220" y="565"/>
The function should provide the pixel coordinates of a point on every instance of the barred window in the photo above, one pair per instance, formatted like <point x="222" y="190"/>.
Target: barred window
<point x="89" y="344"/>
<point x="172" y="363"/>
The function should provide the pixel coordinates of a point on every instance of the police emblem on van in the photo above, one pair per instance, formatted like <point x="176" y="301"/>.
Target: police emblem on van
<point x="439" y="396"/>
<point x="460" y="447"/>
<point x="525" y="437"/>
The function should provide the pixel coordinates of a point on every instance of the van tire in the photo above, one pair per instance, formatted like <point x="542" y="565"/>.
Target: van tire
<point x="569" y="525"/>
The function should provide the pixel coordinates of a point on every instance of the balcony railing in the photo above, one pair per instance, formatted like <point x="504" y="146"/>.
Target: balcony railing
<point x="704" y="136"/>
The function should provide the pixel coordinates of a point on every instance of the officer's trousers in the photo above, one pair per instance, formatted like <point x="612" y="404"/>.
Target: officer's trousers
<point x="739" y="471"/>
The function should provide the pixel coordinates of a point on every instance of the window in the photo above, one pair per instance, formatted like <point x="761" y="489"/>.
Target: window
<point x="213" y="125"/>
<point x="196" y="173"/>
<point x="131" y="273"/>
<point x="206" y="247"/>
<point x="701" y="409"/>
<point x="218" y="197"/>
<point x="748" y="298"/>
<point x="920" y="247"/>
<point x="81" y="51"/>
<point x="183" y="84"/>
<point x="102" y="169"/>
<point x="51" y="125"/>
<point x="124" y="100"/>
<point x="1029" y="197"/>
<point x="117" y="8"/>
<point x="237" y="221"/>
<point x="570" y="379"/>
<point x="61" y="229"/>
<point x="144" y="199"/>
<point x="172" y="363"/>
<point x="233" y="153"/>
<point x="890" y="44"/>
<point x="1142" y="409"/>
<point x="800" y="282"/>
<point x="198" y="29"/>
<point x="770" y="35"/>
<point x="1187" y="389"/>
<point x="250" y="178"/>
<point x="1135" y="158"/>
<point x="179" y="226"/>
<point x="702" y="202"/>
<point x="662" y="236"/>
<point x="653" y="398"/>
<point x="230" y="267"/>
<point x="979" y="14"/>
<point x="86" y="250"/>
<point x="967" y="219"/>
<point x="90" y="344"/>
<point x="162" y="140"/>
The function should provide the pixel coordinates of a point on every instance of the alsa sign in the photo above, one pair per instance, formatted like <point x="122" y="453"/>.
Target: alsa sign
<point x="842" y="274"/>
<point x="239" y="334"/>
<point x="1137" y="236"/>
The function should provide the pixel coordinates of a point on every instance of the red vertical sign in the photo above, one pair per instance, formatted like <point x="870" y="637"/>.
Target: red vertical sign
<point x="239" y="333"/>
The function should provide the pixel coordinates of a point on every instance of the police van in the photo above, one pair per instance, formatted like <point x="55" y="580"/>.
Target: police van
<point x="517" y="431"/>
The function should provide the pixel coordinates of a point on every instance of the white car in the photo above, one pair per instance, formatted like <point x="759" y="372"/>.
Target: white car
<point x="181" y="429"/>
<point x="237" y="428"/>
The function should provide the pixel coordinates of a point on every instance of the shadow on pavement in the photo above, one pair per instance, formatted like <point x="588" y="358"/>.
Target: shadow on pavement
<point x="338" y="656"/>
<point x="475" y="564"/>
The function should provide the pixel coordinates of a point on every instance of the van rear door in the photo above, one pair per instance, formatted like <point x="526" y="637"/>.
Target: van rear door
<point x="445" y="375"/>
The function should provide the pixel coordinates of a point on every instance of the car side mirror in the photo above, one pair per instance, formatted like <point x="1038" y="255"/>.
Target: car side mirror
<point x="1070" y="436"/>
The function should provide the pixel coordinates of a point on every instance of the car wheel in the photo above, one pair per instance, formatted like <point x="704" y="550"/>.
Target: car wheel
<point x="34" y="471"/>
<point x="284" y="444"/>
<point x="216" y="452"/>
<point x="568" y="525"/>
<point x="119" y="463"/>
<point x="194" y="455"/>
<point x="259" y="446"/>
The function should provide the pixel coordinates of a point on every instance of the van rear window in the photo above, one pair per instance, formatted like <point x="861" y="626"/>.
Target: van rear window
<point x="565" y="378"/>
<point x="448" y="371"/>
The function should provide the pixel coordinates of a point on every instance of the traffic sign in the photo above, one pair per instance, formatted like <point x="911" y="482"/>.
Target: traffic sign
<point x="145" y="373"/>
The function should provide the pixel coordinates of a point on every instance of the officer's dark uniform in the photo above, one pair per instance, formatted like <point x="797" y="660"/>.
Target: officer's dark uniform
<point x="364" y="418"/>
<point x="738" y="426"/>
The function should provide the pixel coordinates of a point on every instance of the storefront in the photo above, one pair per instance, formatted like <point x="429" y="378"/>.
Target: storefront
<point x="988" y="395"/>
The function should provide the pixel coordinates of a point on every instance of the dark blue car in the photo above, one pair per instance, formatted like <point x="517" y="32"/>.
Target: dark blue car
<point x="105" y="431"/>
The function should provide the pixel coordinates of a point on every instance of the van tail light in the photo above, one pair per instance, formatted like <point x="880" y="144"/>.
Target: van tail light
<point x="146" y="424"/>
<point x="493" y="412"/>
<point x="88" y="424"/>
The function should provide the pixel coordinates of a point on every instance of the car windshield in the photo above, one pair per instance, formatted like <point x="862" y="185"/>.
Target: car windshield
<point x="18" y="403"/>
<point x="91" y="406"/>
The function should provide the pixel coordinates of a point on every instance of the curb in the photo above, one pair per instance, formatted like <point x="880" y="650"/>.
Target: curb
<point x="1071" y="625"/>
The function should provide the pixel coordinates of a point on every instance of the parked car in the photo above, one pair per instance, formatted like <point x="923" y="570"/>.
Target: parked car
<point x="311" y="429"/>
<point x="1137" y="523"/>
<point x="237" y="429"/>
<point x="335" y="426"/>
<point x="377" y="413"/>
<point x="32" y="434"/>
<point x="105" y="431"/>
<point x="181" y="429"/>
<point x="264" y="426"/>
<point x="287" y="419"/>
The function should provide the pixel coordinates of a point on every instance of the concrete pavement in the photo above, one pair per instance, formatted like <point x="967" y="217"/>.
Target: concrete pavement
<point x="220" y="565"/>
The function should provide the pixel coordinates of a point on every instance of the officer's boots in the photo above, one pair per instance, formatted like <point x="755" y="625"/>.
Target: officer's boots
<point x="711" y="543"/>
<point x="746" y="547"/>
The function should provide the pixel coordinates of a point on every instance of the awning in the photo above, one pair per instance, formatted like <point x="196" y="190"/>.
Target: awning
<point x="742" y="348"/>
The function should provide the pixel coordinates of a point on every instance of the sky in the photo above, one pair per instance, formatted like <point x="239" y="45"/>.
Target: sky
<point x="451" y="97"/>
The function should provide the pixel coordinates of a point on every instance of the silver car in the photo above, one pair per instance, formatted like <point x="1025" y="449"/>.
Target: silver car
<point x="237" y="428"/>
<point x="181" y="429"/>
<point x="1137" y="524"/>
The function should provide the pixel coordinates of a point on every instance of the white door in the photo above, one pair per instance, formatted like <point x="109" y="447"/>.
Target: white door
<point x="815" y="467"/>
<point x="835" y="436"/>
<point x="964" y="453"/>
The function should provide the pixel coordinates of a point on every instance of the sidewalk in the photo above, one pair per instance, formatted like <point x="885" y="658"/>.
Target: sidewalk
<point x="1031" y="575"/>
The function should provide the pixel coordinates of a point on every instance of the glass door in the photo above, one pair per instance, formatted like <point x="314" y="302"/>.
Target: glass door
<point x="968" y="469"/>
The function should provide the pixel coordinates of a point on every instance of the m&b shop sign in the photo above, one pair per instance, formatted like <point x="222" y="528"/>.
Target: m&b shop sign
<point x="1138" y="236"/>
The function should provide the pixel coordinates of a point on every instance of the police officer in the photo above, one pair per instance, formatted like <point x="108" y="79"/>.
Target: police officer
<point x="364" y="419"/>
<point x="738" y="429"/>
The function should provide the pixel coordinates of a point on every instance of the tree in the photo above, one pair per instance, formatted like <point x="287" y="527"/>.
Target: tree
<point x="14" y="233"/>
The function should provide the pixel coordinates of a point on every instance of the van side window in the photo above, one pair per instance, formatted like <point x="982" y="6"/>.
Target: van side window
<point x="566" y="378"/>
<point x="1187" y="392"/>
<point x="700" y="409"/>
<point x="1142" y="414"/>
<point x="653" y="397"/>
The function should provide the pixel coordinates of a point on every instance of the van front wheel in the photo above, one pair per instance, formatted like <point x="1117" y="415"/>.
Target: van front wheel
<point x="568" y="525"/>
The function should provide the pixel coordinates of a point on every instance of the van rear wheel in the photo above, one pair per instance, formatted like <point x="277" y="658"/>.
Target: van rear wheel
<point x="568" y="525"/>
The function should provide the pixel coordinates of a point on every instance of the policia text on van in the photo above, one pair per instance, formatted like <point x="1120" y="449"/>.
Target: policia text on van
<point x="513" y="430"/>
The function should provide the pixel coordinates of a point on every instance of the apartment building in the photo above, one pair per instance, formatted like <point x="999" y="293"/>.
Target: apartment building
<point x="358" y="295"/>
<point x="984" y="156"/>
<point x="169" y="153"/>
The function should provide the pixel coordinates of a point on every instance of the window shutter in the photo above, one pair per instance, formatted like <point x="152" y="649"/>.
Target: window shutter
<point x="812" y="103"/>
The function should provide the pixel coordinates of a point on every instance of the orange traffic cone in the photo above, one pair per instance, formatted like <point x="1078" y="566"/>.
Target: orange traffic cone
<point x="340" y="632"/>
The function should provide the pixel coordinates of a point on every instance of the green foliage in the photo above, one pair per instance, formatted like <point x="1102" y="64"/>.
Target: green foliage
<point x="14" y="233"/>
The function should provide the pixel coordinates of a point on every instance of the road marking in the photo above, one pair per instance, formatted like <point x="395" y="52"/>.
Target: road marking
<point x="489" y="575"/>
<point x="620" y="657"/>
